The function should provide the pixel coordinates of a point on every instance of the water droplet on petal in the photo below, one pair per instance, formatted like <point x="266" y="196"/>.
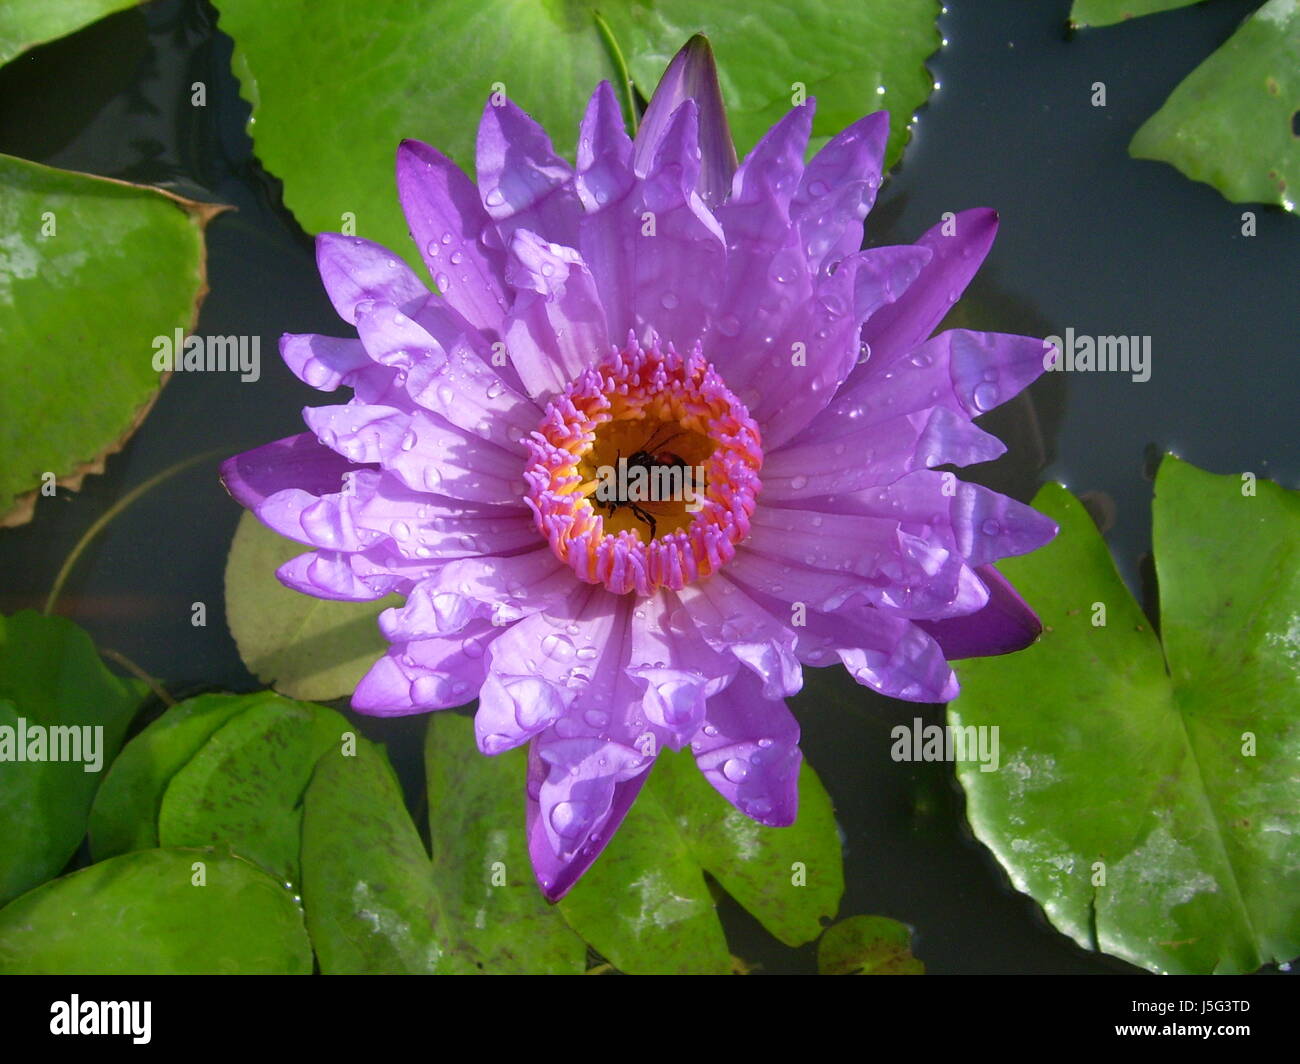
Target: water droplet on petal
<point x="985" y="396"/>
<point x="426" y="690"/>
<point x="558" y="647"/>
<point x="735" y="769"/>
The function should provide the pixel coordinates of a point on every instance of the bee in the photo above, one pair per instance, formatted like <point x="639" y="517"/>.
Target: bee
<point x="650" y="456"/>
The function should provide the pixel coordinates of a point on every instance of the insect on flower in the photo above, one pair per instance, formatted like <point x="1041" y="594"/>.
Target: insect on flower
<point x="660" y="308"/>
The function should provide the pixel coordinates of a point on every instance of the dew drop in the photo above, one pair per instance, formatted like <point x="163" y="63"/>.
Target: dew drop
<point x="735" y="769"/>
<point x="558" y="647"/>
<point x="425" y="690"/>
<point x="985" y="396"/>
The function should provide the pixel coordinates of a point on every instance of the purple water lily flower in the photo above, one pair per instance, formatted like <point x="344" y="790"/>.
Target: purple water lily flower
<point x="659" y="312"/>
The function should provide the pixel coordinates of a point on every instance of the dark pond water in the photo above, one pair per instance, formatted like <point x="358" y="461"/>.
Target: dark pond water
<point x="1089" y="238"/>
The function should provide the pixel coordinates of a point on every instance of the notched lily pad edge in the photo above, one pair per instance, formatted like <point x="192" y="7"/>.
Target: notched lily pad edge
<point x="23" y="507"/>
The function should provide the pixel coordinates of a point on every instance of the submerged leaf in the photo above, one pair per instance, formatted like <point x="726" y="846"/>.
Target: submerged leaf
<point x="310" y="648"/>
<point x="867" y="945"/>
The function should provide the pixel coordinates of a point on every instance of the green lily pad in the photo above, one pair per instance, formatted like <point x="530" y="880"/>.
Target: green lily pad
<point x="91" y="271"/>
<point x="753" y="863"/>
<point x="26" y="23"/>
<point x="145" y="914"/>
<point x="645" y="903"/>
<point x="1231" y="121"/>
<point x="1146" y="795"/>
<point x="480" y="858"/>
<point x="51" y="677"/>
<point x="125" y="814"/>
<point x="843" y="53"/>
<point x="367" y="887"/>
<point x="244" y="787"/>
<point x="335" y="86"/>
<point x="867" y="945"/>
<point x="1106" y="12"/>
<point x="304" y="647"/>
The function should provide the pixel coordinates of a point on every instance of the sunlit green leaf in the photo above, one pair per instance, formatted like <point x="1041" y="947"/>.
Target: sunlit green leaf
<point x="91" y="272"/>
<point x="27" y="23"/>
<point x="52" y="678"/>
<point x="244" y="786"/>
<point x="1147" y="796"/>
<point x="645" y="903"/>
<point x="157" y="912"/>
<point x="125" y="814"/>
<point x="480" y="859"/>
<point x="335" y="86"/>
<point x="1231" y="122"/>
<point x="367" y="888"/>
<point x="1104" y="12"/>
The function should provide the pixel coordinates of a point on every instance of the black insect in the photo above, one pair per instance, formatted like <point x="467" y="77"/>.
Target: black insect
<point x="649" y="457"/>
